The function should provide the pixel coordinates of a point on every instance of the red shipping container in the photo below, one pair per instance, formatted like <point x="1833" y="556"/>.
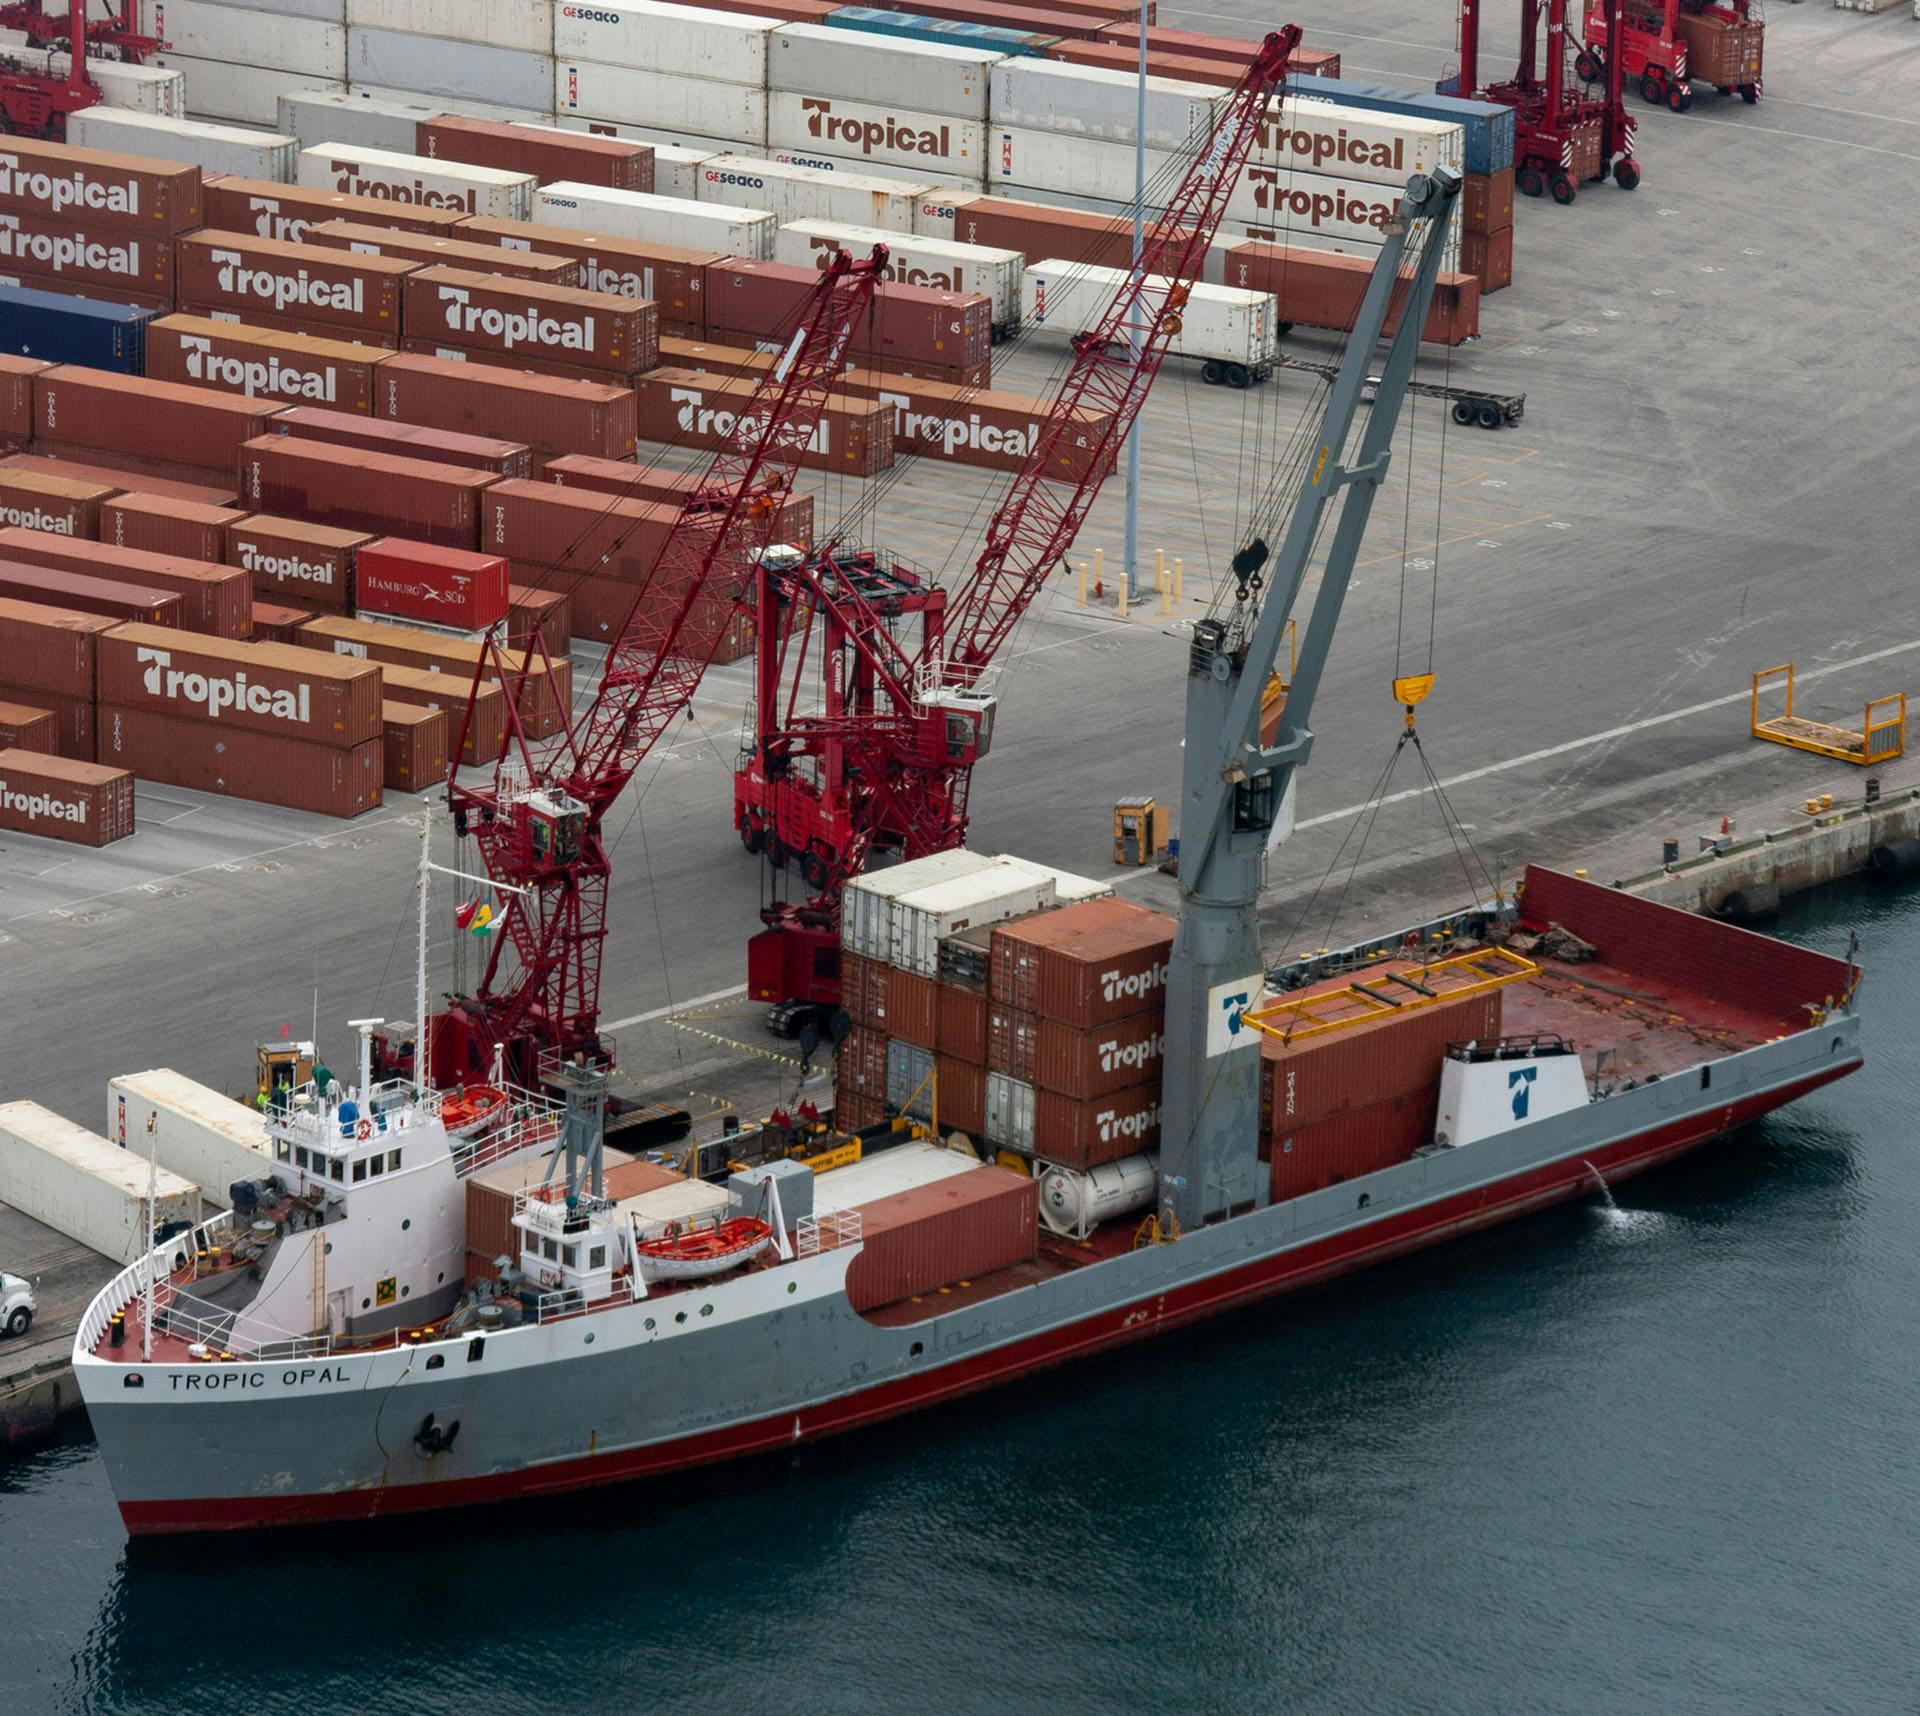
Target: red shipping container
<point x="1234" y="50"/>
<point x="956" y="1229"/>
<point x="23" y="727"/>
<point x="1486" y="201"/>
<point x="16" y="399"/>
<point x="854" y="1113"/>
<point x="214" y="600"/>
<point x="406" y="440"/>
<point x="545" y="525"/>
<point x="1360" y="1141"/>
<point x="151" y="475"/>
<point x="355" y="490"/>
<point x="287" y="556"/>
<point x="528" y="318"/>
<point x="129" y="414"/>
<point x="484" y="732"/>
<point x="48" y="649"/>
<point x="1035" y="20"/>
<point x="600" y="606"/>
<point x="1316" y="289"/>
<point x="326" y="289"/>
<point x="910" y="1010"/>
<point x="962" y="1095"/>
<point x="262" y="363"/>
<point x="156" y="525"/>
<point x="520" y="361"/>
<point x="61" y="506"/>
<point x="853" y="987"/>
<point x="674" y="280"/>
<point x="209" y="756"/>
<point x="1488" y="256"/>
<point x="266" y="209"/>
<point x="550" y="156"/>
<point x="1077" y="1063"/>
<point x="416" y="747"/>
<point x="1078" y="1133"/>
<point x="90" y="258"/>
<point x="1038" y="231"/>
<point x="61" y="799"/>
<point x="419" y="581"/>
<point x="434" y="250"/>
<point x="79" y="593"/>
<point x="793" y="523"/>
<point x="961" y="1027"/>
<point x="1085" y="964"/>
<point x="61" y="181"/>
<point x="546" y="614"/>
<point x="905" y="325"/>
<point x="72" y="719"/>
<point x="860" y="1064"/>
<point x="277" y="625"/>
<point x="554" y="417"/>
<point x="687" y="408"/>
<point x="117" y="480"/>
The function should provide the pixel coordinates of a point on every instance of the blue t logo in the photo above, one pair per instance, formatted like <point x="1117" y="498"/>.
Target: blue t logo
<point x="1520" y="1084"/>
<point x="1235" y="1005"/>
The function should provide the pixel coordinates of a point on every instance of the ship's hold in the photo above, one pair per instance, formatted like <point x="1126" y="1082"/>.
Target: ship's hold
<point x="83" y="1186"/>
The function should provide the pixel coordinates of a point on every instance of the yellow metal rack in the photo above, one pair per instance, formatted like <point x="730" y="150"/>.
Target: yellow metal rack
<point x="1365" y="1000"/>
<point x="1882" y="735"/>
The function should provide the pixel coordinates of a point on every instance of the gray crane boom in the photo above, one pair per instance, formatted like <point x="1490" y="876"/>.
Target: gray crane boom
<point x="1235" y="792"/>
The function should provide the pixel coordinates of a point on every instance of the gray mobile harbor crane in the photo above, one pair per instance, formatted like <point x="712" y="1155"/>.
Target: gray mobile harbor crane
<point x="1236" y="792"/>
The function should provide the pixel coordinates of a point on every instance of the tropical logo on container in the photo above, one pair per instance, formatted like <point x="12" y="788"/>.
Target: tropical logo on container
<point x="59" y="252"/>
<point x="252" y="377"/>
<point x="352" y="178"/>
<point x="1315" y="208"/>
<point x="1320" y="148"/>
<point x="514" y="327"/>
<point x="954" y="434"/>
<point x="867" y="135"/>
<point x="35" y="806"/>
<point x="215" y="694"/>
<point x="284" y="567"/>
<point x="36" y="518"/>
<point x="1134" y="1125"/>
<point x="299" y="290"/>
<point x="1133" y="985"/>
<point x="1137" y="1056"/>
<point x="61" y="191"/>
<point x="898" y="267"/>
<point x="269" y="222"/>
<point x="696" y="417"/>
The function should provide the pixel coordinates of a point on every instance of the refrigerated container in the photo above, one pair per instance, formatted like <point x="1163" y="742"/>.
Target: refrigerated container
<point x="1088" y="102"/>
<point x="413" y="179"/>
<point x="655" y="219"/>
<point x="877" y="131"/>
<point x="213" y="148"/>
<point x="814" y="60"/>
<point x="1487" y="127"/>
<point x="138" y="89"/>
<point x="1234" y="334"/>
<point x="921" y="917"/>
<point x="937" y="264"/>
<point x="86" y="1187"/>
<point x="461" y="68"/>
<point x="1320" y="136"/>
<point x="523" y="25"/>
<point x="1073" y="1132"/>
<point x="315" y="116"/>
<point x="866" y="909"/>
<point x="244" y="36"/>
<point x="730" y="113"/>
<point x="237" y="94"/>
<point x="674" y="41"/>
<point x="791" y="193"/>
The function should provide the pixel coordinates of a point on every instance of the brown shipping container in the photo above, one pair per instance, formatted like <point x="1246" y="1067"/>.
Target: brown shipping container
<point x="61" y="506"/>
<point x="547" y="614"/>
<point x="16" y="399"/>
<point x="210" y="756"/>
<point x="214" y="600"/>
<point x="1086" y="964"/>
<point x="688" y="408"/>
<point x="130" y="191"/>
<point x="860" y="1063"/>
<point x="905" y="324"/>
<point x="27" y="727"/>
<point x="523" y="362"/>
<point x="853" y="986"/>
<point x="961" y="1025"/>
<point x="355" y="490"/>
<point x="1486" y="201"/>
<point x="488" y="728"/>
<point x="260" y="688"/>
<point x="72" y="717"/>
<point x="1188" y="68"/>
<point x="156" y="525"/>
<point x="1316" y="289"/>
<point x="543" y="524"/>
<point x="1361" y="1141"/>
<point x="1077" y="1063"/>
<point x="956" y="1229"/>
<point x="435" y="250"/>
<point x="550" y="156"/>
<point x="527" y="318"/>
<point x="367" y="346"/>
<point x="326" y="289"/>
<point x="910" y="1007"/>
<point x="265" y="209"/>
<point x="277" y="625"/>
<point x="1488" y="257"/>
<point x="80" y="593"/>
<point x="88" y="257"/>
<point x="406" y="440"/>
<point x="1086" y="1133"/>
<point x="600" y="606"/>
<point x="962" y="1095"/>
<point x="117" y="480"/>
<point x="1235" y="50"/>
<point x="129" y="414"/>
<point x="289" y="557"/>
<point x="553" y="417"/>
<point x="793" y="523"/>
<point x="162" y="303"/>
<point x="138" y="471"/>
<point x="416" y="741"/>
<point x="262" y="363"/>
<point x="1038" y="230"/>
<point x="674" y="280"/>
<point x="62" y="799"/>
<point x="854" y="1113"/>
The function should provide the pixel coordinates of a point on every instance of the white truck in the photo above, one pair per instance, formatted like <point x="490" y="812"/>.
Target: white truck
<point x="17" y="1303"/>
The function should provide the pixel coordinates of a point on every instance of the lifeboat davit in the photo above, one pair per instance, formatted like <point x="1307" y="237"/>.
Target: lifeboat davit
<point x="471" y="1109"/>
<point x="704" y="1251"/>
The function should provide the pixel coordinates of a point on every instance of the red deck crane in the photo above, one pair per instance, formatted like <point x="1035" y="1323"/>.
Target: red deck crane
<point x="538" y="822"/>
<point x="887" y="761"/>
<point x="35" y="102"/>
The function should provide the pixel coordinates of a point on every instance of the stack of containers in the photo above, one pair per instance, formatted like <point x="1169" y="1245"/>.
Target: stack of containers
<point x="83" y="594"/>
<point x="291" y="561"/>
<point x="157" y="524"/>
<point x="87" y="219"/>
<point x="215" y="601"/>
<point x="351" y="489"/>
<point x="48" y="665"/>
<point x="933" y="264"/>
<point x="82" y="412"/>
<point x="406" y="440"/>
<point x="432" y="251"/>
<point x="551" y="415"/>
<point x="465" y="316"/>
<point x="292" y="288"/>
<point x="61" y="506"/>
<point x="267" y="210"/>
<point x="493" y="52"/>
<point x="213" y="148"/>
<point x="671" y="278"/>
<point x="651" y="219"/>
<point x="239" y="60"/>
<point x="548" y="155"/>
<point x="695" y="409"/>
<point x="16" y="400"/>
<point x="260" y="721"/>
<point x="315" y="116"/>
<point x="789" y="192"/>
<point x="685" y="71"/>
<point x="263" y="363"/>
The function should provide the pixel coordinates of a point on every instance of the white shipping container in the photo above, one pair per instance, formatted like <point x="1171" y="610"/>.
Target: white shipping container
<point x="1069" y="887"/>
<point x="326" y="11"/>
<point x="685" y="1202"/>
<point x="936" y="263"/>
<point x="317" y="116"/>
<point x="244" y="95"/>
<point x="1009" y="1117"/>
<point x="890" y="135"/>
<point x="920" y="176"/>
<point x="216" y="148"/>
<point x="1379" y="148"/>
<point x="676" y="168"/>
<point x="136" y="89"/>
<point x="922" y="918"/>
<point x="1091" y="101"/>
<point x="696" y="107"/>
<point x="525" y="26"/>
<point x="926" y="77"/>
<point x="78" y="1183"/>
<point x="676" y="41"/>
<point x="452" y="104"/>
<point x="656" y="219"/>
<point x="866" y="903"/>
<point x="405" y="178"/>
<point x="201" y="1135"/>
<point x="1219" y="323"/>
<point x="243" y="37"/>
<point x="435" y="65"/>
<point x="886" y="1173"/>
<point x="805" y="193"/>
<point x="933" y="213"/>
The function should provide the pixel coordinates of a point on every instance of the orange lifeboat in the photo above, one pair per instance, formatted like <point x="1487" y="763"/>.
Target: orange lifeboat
<point x="704" y="1251"/>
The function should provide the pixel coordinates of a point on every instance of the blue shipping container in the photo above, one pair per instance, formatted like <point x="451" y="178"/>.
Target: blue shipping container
<point x="57" y="328"/>
<point x="878" y="21"/>
<point x="1488" y="125"/>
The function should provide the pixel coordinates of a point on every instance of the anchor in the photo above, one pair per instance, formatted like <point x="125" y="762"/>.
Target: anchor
<point x="430" y="1439"/>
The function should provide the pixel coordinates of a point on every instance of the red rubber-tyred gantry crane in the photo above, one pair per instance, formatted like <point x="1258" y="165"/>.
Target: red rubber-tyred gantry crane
<point x="538" y="822"/>
<point x="1671" y="47"/>
<point x="886" y="761"/>
<point x="35" y="102"/>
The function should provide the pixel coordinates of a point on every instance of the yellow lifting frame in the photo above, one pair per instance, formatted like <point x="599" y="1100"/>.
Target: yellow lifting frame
<point x="1882" y="735"/>
<point x="1296" y="1017"/>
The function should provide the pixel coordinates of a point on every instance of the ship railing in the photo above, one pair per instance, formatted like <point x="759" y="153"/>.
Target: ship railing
<point x="531" y="1120"/>
<point x="814" y="1234"/>
<point x="216" y="1332"/>
<point x="548" y="1205"/>
<point x="131" y="1282"/>
<point x="561" y="1302"/>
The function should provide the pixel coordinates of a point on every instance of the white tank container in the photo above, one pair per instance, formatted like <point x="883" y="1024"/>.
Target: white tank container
<point x="923" y="917"/>
<point x="242" y="95"/>
<point x="1009" y="1116"/>
<point x="656" y="219"/>
<point x="693" y="107"/>
<point x="80" y="1184"/>
<point x="407" y="178"/>
<point x="436" y="65"/>
<point x="244" y="37"/>
<point x="1380" y="148"/>
<point x="317" y="116"/>
<point x="215" y="148"/>
<point x="201" y="1135"/>
<point x="454" y="104"/>
<point x="524" y="26"/>
<point x="1220" y="323"/>
<point x="936" y="263"/>
<point x="892" y="134"/>
<point x="675" y="41"/>
<point x="136" y="89"/>
<point x="1091" y="101"/>
<point x="887" y="1173"/>
<point x="921" y="177"/>
<point x="866" y="904"/>
<point x="925" y="77"/>
<point x="793" y="193"/>
<point x="933" y="212"/>
<point x="1075" y="1201"/>
<point x="676" y="168"/>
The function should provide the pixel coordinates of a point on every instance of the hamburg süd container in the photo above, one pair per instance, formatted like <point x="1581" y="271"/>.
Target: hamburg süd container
<point x="107" y="186"/>
<point x="661" y="220"/>
<point x="550" y="415"/>
<point x="600" y="331"/>
<point x="442" y="586"/>
<point x="548" y="155"/>
<point x="1219" y="324"/>
<point x="803" y="193"/>
<point x="268" y="210"/>
<point x="290" y="369"/>
<point x="356" y="490"/>
<point x="673" y="41"/>
<point x="81" y="1185"/>
<point x="61" y="506"/>
<point x="815" y="61"/>
<point x="213" y="148"/>
<point x="82" y="593"/>
<point x="416" y="181"/>
<point x="287" y="558"/>
<point x="671" y="278"/>
<point x="878" y="132"/>
<point x="731" y="114"/>
<point x="405" y="440"/>
<point x="215" y="601"/>
<point x="60" y="798"/>
<point x="61" y="254"/>
<point x="955" y="1229"/>
<point x="200" y="1134"/>
<point x="1086" y="965"/>
<point x="935" y="264"/>
<point x="237" y="762"/>
<point x="434" y="251"/>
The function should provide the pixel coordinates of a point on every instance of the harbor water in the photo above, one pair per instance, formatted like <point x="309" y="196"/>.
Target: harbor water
<point x="1646" y="1453"/>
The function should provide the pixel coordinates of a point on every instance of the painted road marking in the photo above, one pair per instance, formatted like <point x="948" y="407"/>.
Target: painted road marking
<point x="671" y="1007"/>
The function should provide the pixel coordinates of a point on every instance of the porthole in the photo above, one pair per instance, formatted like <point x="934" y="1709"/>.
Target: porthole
<point x="406" y="1224"/>
<point x="404" y="1291"/>
<point x="329" y="1251"/>
<point x="437" y="1361"/>
<point x="1365" y="1199"/>
<point x="706" y="1310"/>
<point x="589" y="1340"/>
<point x="915" y="1350"/>
<point x="649" y="1322"/>
<point x="365" y="1304"/>
<point x="679" y="1316"/>
<point x="439" y="1278"/>
<point x="793" y="1286"/>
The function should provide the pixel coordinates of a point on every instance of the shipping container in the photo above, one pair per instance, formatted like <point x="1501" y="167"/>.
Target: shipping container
<point x="671" y="278"/>
<point x="66" y="182"/>
<point x="686" y="408"/>
<point x="329" y="290"/>
<point x="315" y="116"/>
<point x="490" y="1229"/>
<point x="235" y="762"/>
<point x="816" y="61"/>
<point x="934" y="264"/>
<point x="1086" y="965"/>
<point x="1232" y="50"/>
<point x="1309" y="1158"/>
<point x="1042" y="21"/>
<point x="878" y="133"/>
<point x="578" y="530"/>
<point x="792" y="523"/>
<point x="1486" y="126"/>
<point x="275" y="624"/>
<point x="406" y="440"/>
<point x="61" y="506"/>
<point x="1316" y="289"/>
<point x="909" y="1079"/>
<point x="25" y="727"/>
<point x="1034" y="229"/>
<point x="467" y="68"/>
<point x="1486" y="202"/>
<point x="58" y="798"/>
<point x="1071" y="1132"/>
<point x="731" y="114"/>
<point x="215" y="601"/>
<point x="1221" y="326"/>
<point x="597" y="331"/>
<point x="441" y="586"/>
<point x="239" y="95"/>
<point x="284" y="212"/>
<point x="1319" y="136"/>
<point x="129" y="414"/>
<point x="675" y="165"/>
<point x="548" y="156"/>
<point x="654" y="219"/>
<point x="1078" y="1063"/>
<point x="921" y="917"/>
<point x="117" y="479"/>
<point x="416" y="747"/>
<point x="139" y="89"/>
<point x="956" y="1229"/>
<point x="674" y="41"/>
<point x="81" y="1185"/>
<point x="961" y="1023"/>
<point x="523" y="25"/>
<point x="156" y="525"/>
<point x="432" y="250"/>
<point x="553" y="417"/>
<point x="81" y="593"/>
<point x="906" y="326"/>
<point x="59" y="254"/>
<point x="356" y="490"/>
<point x="802" y="193"/>
<point x="212" y="148"/>
<point x="907" y="1008"/>
<point x="288" y="369"/>
<point x="16" y="395"/>
<point x="73" y="717"/>
<point x="860" y="1066"/>
<point x="1488" y="256"/>
<point x="47" y="649"/>
<point x="961" y="1087"/>
<point x="886" y="1173"/>
<point x="55" y="328"/>
<point x="416" y="181"/>
<point x="1088" y="102"/>
<point x="287" y="557"/>
<point x="516" y="360"/>
<point x="543" y="614"/>
<point x="477" y="712"/>
<point x="196" y="1132"/>
<point x="246" y="36"/>
<point x="917" y="27"/>
<point x="506" y="115"/>
<point x="866" y="903"/>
